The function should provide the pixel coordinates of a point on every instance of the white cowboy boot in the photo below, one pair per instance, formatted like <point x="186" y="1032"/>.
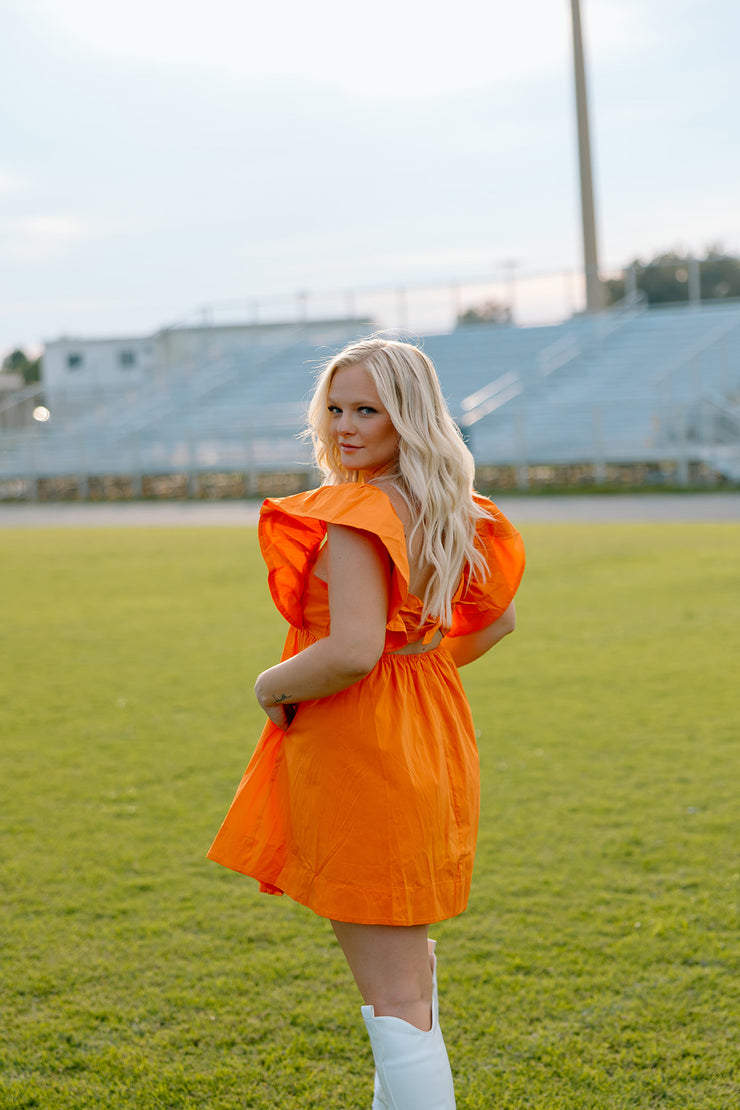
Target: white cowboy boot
<point x="380" y="1102"/>
<point x="412" y="1069"/>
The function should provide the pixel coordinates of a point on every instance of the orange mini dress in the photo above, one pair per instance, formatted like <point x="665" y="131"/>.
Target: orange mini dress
<point x="366" y="808"/>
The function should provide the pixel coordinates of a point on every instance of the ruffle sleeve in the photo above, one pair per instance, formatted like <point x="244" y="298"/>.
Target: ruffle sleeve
<point x="292" y="529"/>
<point x="483" y="600"/>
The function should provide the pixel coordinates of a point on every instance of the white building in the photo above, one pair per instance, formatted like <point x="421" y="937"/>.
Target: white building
<point x="80" y="373"/>
<point x="75" y="369"/>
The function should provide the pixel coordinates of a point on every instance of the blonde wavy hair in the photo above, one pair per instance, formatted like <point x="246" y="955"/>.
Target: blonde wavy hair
<point x="434" y="471"/>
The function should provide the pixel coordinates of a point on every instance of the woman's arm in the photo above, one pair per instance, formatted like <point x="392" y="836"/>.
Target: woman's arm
<point x="359" y="584"/>
<point x="465" y="649"/>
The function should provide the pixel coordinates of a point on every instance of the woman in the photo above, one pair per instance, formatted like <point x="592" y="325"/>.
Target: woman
<point x="361" y="800"/>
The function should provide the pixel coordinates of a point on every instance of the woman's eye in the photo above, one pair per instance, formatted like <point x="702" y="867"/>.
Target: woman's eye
<point x="333" y="409"/>
<point x="366" y="408"/>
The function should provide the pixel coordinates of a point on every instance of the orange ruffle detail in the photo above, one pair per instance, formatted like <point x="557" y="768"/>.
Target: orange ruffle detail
<point x="484" y="600"/>
<point x="292" y="529"/>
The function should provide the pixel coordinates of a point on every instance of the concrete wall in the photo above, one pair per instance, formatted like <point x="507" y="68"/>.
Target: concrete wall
<point x="94" y="366"/>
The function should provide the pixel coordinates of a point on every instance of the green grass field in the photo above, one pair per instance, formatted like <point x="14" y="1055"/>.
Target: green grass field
<point x="597" y="965"/>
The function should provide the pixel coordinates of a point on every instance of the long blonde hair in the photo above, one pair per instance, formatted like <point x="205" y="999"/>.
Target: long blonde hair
<point x="434" y="471"/>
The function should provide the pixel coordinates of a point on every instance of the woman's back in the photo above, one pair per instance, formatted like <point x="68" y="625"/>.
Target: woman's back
<point x="419" y="571"/>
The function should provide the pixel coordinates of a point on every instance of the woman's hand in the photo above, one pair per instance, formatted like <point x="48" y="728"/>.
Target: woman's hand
<point x="280" y="715"/>
<point x="277" y="707"/>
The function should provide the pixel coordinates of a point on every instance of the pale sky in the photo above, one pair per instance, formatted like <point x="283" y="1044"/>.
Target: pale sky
<point x="158" y="156"/>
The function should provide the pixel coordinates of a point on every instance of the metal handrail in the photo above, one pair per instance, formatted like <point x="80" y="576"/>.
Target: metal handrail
<point x="18" y="396"/>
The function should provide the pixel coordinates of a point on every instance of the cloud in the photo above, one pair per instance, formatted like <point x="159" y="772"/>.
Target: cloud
<point x="416" y="50"/>
<point x="12" y="182"/>
<point x="52" y="227"/>
<point x="56" y="305"/>
<point x="42" y="237"/>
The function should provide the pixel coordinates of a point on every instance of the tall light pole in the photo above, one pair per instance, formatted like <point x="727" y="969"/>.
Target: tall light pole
<point x="594" y="289"/>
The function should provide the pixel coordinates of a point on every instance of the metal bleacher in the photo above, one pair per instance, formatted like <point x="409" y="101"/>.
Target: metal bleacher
<point x="639" y="386"/>
<point x="630" y="385"/>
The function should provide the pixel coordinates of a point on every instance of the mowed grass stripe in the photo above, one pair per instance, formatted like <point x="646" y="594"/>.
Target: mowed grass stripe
<point x="597" y="964"/>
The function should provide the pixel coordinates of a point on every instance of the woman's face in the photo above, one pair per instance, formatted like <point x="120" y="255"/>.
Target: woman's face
<point x="360" y="425"/>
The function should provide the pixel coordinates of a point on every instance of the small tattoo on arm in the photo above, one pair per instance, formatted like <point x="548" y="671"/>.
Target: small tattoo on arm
<point x="277" y="698"/>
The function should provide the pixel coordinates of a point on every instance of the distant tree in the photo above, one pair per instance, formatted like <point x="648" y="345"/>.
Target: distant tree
<point x="18" y="362"/>
<point x="720" y="275"/>
<point x="490" y="312"/>
<point x="665" y="278"/>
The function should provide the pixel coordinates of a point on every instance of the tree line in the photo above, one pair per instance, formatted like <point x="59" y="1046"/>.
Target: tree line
<point x="664" y="279"/>
<point x="18" y="362"/>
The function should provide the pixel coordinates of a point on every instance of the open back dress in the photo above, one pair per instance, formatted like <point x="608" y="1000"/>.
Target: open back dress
<point x="366" y="808"/>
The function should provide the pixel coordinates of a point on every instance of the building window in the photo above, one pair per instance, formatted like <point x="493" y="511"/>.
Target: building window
<point x="127" y="358"/>
<point x="74" y="361"/>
